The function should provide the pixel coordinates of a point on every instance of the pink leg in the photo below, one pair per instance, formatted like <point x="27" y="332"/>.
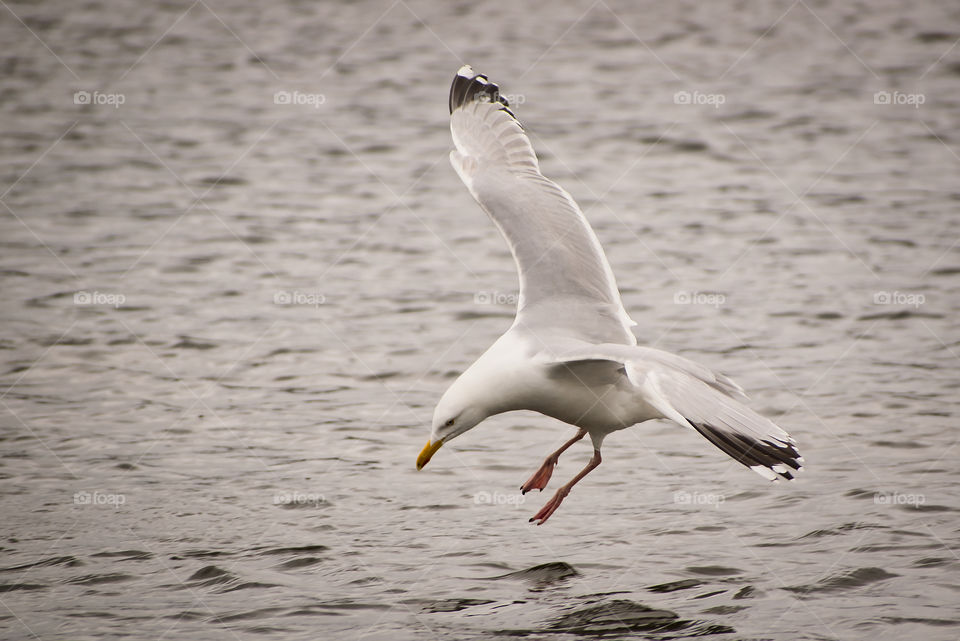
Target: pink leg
<point x="552" y="505"/>
<point x="542" y="476"/>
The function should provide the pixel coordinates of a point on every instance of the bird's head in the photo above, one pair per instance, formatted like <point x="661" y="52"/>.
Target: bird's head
<point x="456" y="413"/>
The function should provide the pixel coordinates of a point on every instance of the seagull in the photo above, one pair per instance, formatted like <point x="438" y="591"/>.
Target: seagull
<point x="570" y="353"/>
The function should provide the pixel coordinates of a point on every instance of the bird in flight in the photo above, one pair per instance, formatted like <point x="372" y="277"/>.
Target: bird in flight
<point x="570" y="353"/>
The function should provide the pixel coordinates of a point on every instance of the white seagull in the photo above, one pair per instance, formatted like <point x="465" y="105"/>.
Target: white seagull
<point x="570" y="353"/>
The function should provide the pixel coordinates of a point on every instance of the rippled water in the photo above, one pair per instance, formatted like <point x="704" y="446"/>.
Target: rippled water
<point x="226" y="320"/>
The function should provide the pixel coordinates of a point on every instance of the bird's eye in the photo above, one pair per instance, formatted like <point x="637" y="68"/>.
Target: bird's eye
<point x="448" y="423"/>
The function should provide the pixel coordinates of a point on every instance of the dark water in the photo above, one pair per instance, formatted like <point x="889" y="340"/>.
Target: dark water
<point x="226" y="320"/>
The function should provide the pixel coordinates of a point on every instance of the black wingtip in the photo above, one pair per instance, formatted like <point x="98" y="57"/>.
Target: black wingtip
<point x="753" y="453"/>
<point x="469" y="86"/>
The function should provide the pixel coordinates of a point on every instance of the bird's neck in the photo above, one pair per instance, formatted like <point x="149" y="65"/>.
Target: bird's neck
<point x="498" y="379"/>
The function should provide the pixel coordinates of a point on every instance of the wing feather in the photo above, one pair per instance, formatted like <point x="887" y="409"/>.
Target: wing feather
<point x="559" y="259"/>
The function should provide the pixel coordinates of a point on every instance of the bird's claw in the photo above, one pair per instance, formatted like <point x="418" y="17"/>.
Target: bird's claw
<point x="540" y="478"/>
<point x="549" y="508"/>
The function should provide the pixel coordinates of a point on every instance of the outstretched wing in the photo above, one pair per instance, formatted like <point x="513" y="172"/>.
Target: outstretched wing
<point x="699" y="398"/>
<point x="565" y="281"/>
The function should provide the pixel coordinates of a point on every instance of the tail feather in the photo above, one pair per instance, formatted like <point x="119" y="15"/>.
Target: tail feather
<point x="738" y="431"/>
<point x="764" y="457"/>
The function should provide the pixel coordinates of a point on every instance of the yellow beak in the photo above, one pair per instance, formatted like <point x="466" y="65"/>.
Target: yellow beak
<point x="427" y="453"/>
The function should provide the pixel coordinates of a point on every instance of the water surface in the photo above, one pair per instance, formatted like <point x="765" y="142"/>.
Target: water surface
<point x="227" y="317"/>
